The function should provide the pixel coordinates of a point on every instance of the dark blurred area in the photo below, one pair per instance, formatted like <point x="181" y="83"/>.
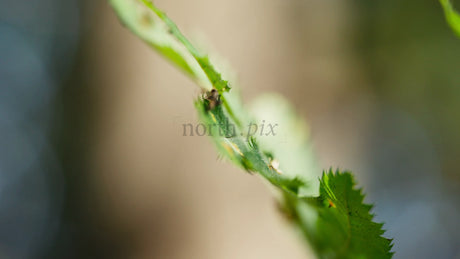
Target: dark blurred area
<point x="93" y="163"/>
<point x="38" y="43"/>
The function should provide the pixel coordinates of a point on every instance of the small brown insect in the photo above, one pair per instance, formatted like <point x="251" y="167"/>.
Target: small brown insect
<point x="213" y="98"/>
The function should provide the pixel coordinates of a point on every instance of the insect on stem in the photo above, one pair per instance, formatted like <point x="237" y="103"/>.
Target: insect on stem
<point x="213" y="98"/>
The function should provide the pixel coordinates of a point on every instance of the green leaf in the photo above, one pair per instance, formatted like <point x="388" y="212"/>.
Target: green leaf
<point x="233" y="140"/>
<point x="452" y="16"/>
<point x="155" y="28"/>
<point x="337" y="223"/>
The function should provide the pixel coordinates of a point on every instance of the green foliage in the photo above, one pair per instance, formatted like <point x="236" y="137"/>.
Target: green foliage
<point x="336" y="223"/>
<point x="452" y="16"/>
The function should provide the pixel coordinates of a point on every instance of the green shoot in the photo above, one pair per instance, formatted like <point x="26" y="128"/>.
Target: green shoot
<point x="333" y="219"/>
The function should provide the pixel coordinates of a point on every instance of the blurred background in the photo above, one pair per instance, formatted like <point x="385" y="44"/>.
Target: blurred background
<point x="93" y="163"/>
